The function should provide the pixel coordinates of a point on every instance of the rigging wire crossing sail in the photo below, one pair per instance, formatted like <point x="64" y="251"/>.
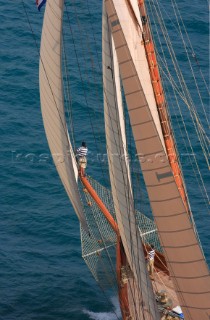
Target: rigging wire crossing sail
<point x="52" y="105"/>
<point x="184" y="256"/>
<point x="120" y="178"/>
<point x="126" y="62"/>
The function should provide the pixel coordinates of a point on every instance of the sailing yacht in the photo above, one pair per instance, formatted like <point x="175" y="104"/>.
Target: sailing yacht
<point x="114" y="233"/>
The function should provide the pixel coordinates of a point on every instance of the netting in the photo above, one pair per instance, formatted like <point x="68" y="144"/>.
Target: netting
<point x="98" y="247"/>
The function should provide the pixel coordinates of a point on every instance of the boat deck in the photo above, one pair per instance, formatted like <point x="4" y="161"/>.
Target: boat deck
<point x="163" y="282"/>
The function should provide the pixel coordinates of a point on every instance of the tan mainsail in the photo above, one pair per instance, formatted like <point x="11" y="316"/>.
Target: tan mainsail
<point x="184" y="256"/>
<point x="52" y="105"/>
<point x="140" y="294"/>
<point x="132" y="33"/>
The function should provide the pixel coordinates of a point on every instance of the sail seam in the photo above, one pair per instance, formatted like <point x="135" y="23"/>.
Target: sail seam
<point x="197" y="277"/>
<point x="153" y="169"/>
<point x="121" y="46"/>
<point x="116" y="31"/>
<point x="187" y="292"/>
<point x="123" y="62"/>
<point x="185" y="262"/>
<point x="172" y="215"/>
<point x="172" y="231"/>
<point x="136" y="108"/>
<point x="136" y="91"/>
<point x="167" y="199"/>
<point x="112" y="15"/>
<point x="147" y="138"/>
<point x="129" y="77"/>
<point x="162" y="184"/>
<point x="140" y="123"/>
<point x="188" y="245"/>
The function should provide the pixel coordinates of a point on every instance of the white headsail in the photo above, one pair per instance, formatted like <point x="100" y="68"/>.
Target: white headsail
<point x="52" y="103"/>
<point x="140" y="292"/>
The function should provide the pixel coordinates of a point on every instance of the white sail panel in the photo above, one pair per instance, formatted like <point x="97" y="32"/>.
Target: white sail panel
<point x="141" y="291"/>
<point x="52" y="103"/>
<point x="133" y="37"/>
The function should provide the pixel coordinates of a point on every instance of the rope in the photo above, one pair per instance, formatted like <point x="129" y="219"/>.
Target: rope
<point x="175" y="88"/>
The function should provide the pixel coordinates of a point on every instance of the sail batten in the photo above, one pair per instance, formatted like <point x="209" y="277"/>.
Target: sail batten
<point x="165" y="199"/>
<point x="52" y="104"/>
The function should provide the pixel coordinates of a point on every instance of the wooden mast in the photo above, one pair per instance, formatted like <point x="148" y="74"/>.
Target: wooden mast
<point x="161" y="104"/>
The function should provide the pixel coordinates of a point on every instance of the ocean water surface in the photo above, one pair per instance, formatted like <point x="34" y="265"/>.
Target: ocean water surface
<point x="42" y="274"/>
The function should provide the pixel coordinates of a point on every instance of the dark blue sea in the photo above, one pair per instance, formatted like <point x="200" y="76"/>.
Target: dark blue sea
<point x="42" y="274"/>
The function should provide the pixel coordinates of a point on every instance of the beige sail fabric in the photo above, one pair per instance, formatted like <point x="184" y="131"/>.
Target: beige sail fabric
<point x="184" y="256"/>
<point x="51" y="94"/>
<point x="133" y="35"/>
<point x="140" y="293"/>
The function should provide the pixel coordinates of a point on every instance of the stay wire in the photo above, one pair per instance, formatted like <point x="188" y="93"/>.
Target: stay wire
<point x="136" y="228"/>
<point x="84" y="91"/>
<point x="175" y="89"/>
<point x="68" y="95"/>
<point x="87" y="105"/>
<point x="53" y="97"/>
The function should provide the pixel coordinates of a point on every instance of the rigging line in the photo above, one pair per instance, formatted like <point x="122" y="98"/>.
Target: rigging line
<point x="180" y="293"/>
<point x="184" y="140"/>
<point x="165" y="33"/>
<point x="187" y="92"/>
<point x="161" y="280"/>
<point x="108" y="104"/>
<point x="192" y="150"/>
<point x="98" y="60"/>
<point x="187" y="137"/>
<point x="102" y="289"/>
<point x="182" y="83"/>
<point x="96" y="50"/>
<point x="94" y="36"/>
<point x="175" y="7"/>
<point x="104" y="243"/>
<point x="63" y="125"/>
<point x="193" y="153"/>
<point x="92" y="59"/>
<point x="172" y="81"/>
<point x="191" y="47"/>
<point x="128" y="195"/>
<point x="36" y="45"/>
<point x="85" y="96"/>
<point x="108" y="301"/>
<point x="106" y="249"/>
<point x="87" y="48"/>
<point x="193" y="52"/>
<point x="68" y="93"/>
<point x="203" y="134"/>
<point x="113" y="175"/>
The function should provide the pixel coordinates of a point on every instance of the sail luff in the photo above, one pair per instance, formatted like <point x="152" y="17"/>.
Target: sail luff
<point x="184" y="256"/>
<point x="52" y="104"/>
<point x="121" y="182"/>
